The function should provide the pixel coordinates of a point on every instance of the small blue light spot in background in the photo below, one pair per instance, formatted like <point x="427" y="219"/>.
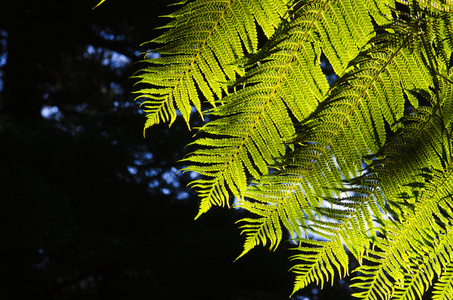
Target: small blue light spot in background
<point x="118" y="60"/>
<point x="51" y="112"/>
<point x="152" y="55"/>
<point x="236" y="203"/>
<point x="81" y="107"/>
<point x="151" y="172"/>
<point x="182" y="196"/>
<point x="89" y="51"/>
<point x="3" y="59"/>
<point x="171" y="178"/>
<point x="153" y="184"/>
<point x="117" y="89"/>
<point x="168" y="177"/>
<point x="193" y="175"/>
<point x="107" y="36"/>
<point x="4" y="54"/>
<point x="132" y="170"/>
<point x="300" y="298"/>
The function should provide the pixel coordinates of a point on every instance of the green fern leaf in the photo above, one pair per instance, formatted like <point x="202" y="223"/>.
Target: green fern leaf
<point x="443" y="290"/>
<point x="342" y="127"/>
<point x="391" y="110"/>
<point x="422" y="269"/>
<point x="349" y="120"/>
<point x="413" y="234"/>
<point x="395" y="260"/>
<point x="201" y="44"/>
<point x="256" y="117"/>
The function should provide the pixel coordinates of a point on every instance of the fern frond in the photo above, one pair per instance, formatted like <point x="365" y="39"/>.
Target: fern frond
<point x="286" y="79"/>
<point x="422" y="268"/>
<point x="343" y="126"/>
<point x="400" y="267"/>
<point x="318" y="261"/>
<point x="391" y="109"/>
<point x="443" y="289"/>
<point x="256" y="117"/>
<point x="200" y="46"/>
<point x="431" y="5"/>
<point x="349" y="124"/>
<point x="414" y="234"/>
<point x="347" y="230"/>
<point x="402" y="152"/>
<point x="380" y="11"/>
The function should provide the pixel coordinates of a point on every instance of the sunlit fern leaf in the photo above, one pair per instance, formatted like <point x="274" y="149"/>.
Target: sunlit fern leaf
<point x="420" y="274"/>
<point x="260" y="231"/>
<point x="343" y="27"/>
<point x="97" y="5"/>
<point x="416" y="233"/>
<point x="200" y="47"/>
<point x="286" y="78"/>
<point x="344" y="126"/>
<point x="256" y="117"/>
<point x="318" y="261"/>
<point x="342" y="228"/>
<point x="441" y="33"/>
<point x="443" y="289"/>
<point x="411" y="148"/>
<point x="394" y="100"/>
<point x="380" y="10"/>
<point x="427" y="6"/>
<point x="413" y="237"/>
<point x="446" y="88"/>
<point x="354" y="88"/>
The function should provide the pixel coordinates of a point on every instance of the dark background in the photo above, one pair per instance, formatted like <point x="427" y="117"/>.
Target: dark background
<point x="89" y="208"/>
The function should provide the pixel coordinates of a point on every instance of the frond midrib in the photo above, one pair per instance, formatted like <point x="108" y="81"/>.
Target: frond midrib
<point x="333" y="134"/>
<point x="195" y="58"/>
<point x="314" y="265"/>
<point x="363" y="206"/>
<point x="269" y="98"/>
<point x="202" y="46"/>
<point x="408" y="228"/>
<point x="387" y="175"/>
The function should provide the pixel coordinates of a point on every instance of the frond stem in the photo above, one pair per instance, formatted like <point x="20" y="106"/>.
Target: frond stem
<point x="189" y="67"/>
<point x="275" y="209"/>
<point x="272" y="93"/>
<point x="424" y="211"/>
<point x="435" y="72"/>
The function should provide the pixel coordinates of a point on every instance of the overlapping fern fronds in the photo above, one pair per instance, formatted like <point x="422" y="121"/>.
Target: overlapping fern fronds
<point x="391" y="110"/>
<point x="200" y="46"/>
<point x="417" y="227"/>
<point x="255" y="121"/>
<point x="348" y="125"/>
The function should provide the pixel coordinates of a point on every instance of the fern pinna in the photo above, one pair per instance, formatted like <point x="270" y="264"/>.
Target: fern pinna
<point x="363" y="165"/>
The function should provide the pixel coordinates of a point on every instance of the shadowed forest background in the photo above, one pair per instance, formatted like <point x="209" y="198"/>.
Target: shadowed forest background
<point x="91" y="209"/>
